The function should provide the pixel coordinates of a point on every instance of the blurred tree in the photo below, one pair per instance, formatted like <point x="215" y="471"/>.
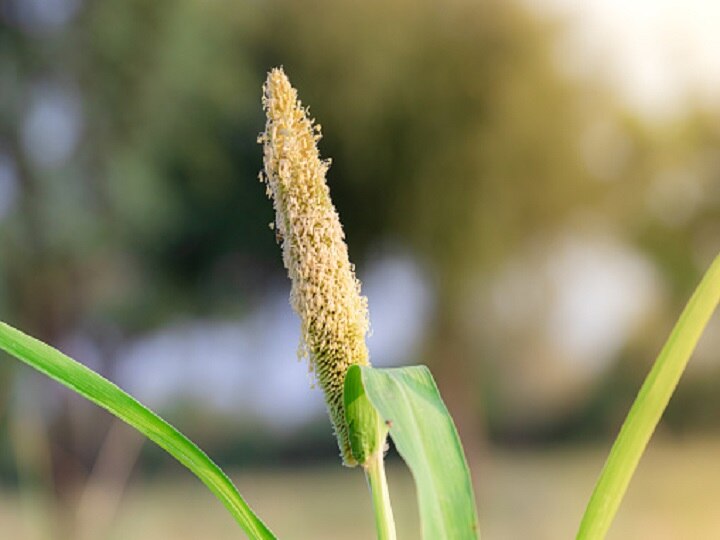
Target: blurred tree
<point x="143" y="211"/>
<point x="453" y="133"/>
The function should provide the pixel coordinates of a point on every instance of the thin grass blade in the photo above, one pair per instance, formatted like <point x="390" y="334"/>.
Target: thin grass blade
<point x="107" y="395"/>
<point x="649" y="407"/>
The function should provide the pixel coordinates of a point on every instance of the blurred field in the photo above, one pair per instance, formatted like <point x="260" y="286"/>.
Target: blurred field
<point x="535" y="495"/>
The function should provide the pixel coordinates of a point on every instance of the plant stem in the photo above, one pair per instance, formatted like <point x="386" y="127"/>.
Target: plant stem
<point x="375" y="474"/>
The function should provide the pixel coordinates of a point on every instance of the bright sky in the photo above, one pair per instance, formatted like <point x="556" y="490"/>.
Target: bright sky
<point x="659" y="54"/>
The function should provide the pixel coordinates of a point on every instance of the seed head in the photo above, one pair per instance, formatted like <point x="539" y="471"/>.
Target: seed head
<point x="325" y="292"/>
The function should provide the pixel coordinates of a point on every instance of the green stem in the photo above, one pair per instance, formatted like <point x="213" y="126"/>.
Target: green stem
<point x="375" y="474"/>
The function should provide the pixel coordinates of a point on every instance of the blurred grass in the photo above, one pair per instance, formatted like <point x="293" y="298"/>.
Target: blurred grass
<point x="522" y="494"/>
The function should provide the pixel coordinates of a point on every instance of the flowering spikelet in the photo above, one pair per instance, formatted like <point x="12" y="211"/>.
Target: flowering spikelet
<point x="325" y="292"/>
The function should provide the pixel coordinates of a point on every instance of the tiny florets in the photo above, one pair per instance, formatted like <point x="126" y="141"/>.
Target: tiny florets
<point x="325" y="292"/>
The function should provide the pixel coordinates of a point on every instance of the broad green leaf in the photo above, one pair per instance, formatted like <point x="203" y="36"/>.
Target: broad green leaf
<point x="102" y="392"/>
<point x="424" y="434"/>
<point x="649" y="407"/>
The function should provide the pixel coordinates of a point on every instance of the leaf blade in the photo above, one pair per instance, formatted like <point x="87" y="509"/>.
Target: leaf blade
<point x="110" y="397"/>
<point x="425" y="436"/>
<point x="365" y="428"/>
<point x="646" y="411"/>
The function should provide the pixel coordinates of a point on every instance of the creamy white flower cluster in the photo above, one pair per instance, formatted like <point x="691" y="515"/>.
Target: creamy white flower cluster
<point x="325" y="292"/>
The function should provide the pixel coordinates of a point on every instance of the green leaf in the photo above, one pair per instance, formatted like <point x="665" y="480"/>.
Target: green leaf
<point x="649" y="407"/>
<point x="365" y="427"/>
<point x="102" y="392"/>
<point x="424" y="434"/>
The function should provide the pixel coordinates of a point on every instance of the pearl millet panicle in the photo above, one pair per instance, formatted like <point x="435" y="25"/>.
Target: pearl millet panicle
<point x="325" y="292"/>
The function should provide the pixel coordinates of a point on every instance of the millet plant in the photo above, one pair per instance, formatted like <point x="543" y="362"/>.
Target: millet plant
<point x="366" y="404"/>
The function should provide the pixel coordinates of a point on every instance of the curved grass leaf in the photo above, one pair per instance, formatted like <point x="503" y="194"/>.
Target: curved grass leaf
<point x="649" y="407"/>
<point x="425" y="436"/>
<point x="102" y="392"/>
